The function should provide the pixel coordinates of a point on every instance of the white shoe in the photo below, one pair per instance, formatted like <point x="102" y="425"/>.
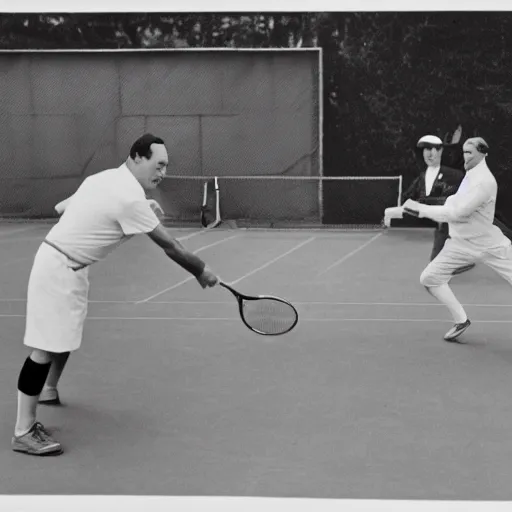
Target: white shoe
<point x="37" y="441"/>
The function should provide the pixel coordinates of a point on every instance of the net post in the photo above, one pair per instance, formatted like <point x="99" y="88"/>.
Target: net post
<point x="400" y="178"/>
<point x="214" y="211"/>
<point x="321" y="111"/>
<point x="321" y="135"/>
<point x="205" y="192"/>
<point x="217" y="205"/>
<point x="203" y="204"/>
<point x="321" y="199"/>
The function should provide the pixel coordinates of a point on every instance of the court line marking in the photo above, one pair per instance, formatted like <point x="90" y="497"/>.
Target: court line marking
<point x="189" y="236"/>
<point x="303" y="320"/>
<point x="268" y="263"/>
<point x="350" y="254"/>
<point x="189" y="278"/>
<point x="299" y="303"/>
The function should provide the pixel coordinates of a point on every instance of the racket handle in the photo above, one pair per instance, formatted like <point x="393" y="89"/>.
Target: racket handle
<point x="228" y="287"/>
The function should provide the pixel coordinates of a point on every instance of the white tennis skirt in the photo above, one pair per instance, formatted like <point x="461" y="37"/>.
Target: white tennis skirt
<point x="56" y="302"/>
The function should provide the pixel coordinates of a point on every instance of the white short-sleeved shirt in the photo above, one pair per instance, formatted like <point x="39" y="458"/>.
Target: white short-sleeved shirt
<point x="108" y="208"/>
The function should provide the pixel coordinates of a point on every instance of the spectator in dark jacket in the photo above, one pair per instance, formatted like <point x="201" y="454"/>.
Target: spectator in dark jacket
<point x="433" y="186"/>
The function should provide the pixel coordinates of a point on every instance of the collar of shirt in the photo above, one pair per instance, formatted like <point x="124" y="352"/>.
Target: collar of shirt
<point x="481" y="166"/>
<point x="430" y="178"/>
<point x="433" y="170"/>
<point x="476" y="173"/>
<point x="131" y="178"/>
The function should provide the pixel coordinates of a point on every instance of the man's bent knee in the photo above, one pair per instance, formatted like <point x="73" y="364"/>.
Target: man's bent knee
<point x="430" y="279"/>
<point x="425" y="277"/>
<point x="40" y="356"/>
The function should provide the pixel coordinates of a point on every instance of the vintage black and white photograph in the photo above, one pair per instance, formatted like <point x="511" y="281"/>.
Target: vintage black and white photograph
<point x="256" y="255"/>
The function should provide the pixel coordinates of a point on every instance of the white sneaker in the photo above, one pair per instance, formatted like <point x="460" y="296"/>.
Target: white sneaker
<point x="37" y="441"/>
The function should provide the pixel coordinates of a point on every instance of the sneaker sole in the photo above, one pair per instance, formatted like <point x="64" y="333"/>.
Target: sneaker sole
<point x="454" y="338"/>
<point x="27" y="451"/>
<point x="53" y="401"/>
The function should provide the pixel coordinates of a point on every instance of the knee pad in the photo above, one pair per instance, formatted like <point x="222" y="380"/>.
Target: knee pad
<point x="32" y="377"/>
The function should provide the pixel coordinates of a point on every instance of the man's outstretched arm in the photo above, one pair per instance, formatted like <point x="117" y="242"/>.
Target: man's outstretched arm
<point x="464" y="206"/>
<point x="187" y="260"/>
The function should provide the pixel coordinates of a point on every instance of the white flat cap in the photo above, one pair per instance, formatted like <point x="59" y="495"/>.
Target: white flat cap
<point x="429" y="140"/>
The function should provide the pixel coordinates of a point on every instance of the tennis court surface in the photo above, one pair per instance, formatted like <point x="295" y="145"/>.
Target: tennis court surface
<point x="171" y="394"/>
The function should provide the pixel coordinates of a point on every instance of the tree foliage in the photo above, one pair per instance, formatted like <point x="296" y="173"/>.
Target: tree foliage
<point x="388" y="77"/>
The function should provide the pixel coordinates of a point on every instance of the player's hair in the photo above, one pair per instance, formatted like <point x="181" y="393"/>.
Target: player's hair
<point x="142" y="146"/>
<point x="480" y="144"/>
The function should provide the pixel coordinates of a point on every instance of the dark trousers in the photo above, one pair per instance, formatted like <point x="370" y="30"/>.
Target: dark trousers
<point x="440" y="237"/>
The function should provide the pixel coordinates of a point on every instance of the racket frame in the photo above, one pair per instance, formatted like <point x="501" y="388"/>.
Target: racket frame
<point x="240" y="297"/>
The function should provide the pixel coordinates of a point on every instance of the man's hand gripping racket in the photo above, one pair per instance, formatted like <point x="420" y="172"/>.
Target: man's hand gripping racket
<point x="265" y="314"/>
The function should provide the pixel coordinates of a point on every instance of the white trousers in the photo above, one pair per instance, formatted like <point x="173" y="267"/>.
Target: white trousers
<point x="56" y="302"/>
<point x="457" y="253"/>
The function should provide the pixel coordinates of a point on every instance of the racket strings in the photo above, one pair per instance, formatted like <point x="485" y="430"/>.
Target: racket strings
<point x="269" y="316"/>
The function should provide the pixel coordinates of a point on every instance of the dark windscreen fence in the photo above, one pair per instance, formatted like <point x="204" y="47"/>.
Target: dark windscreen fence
<point x="270" y="200"/>
<point x="181" y="198"/>
<point x="251" y="118"/>
<point x="222" y="112"/>
<point x="359" y="201"/>
<point x="255" y="199"/>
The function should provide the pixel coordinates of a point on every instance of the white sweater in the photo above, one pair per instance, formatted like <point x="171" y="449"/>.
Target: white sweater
<point x="470" y="211"/>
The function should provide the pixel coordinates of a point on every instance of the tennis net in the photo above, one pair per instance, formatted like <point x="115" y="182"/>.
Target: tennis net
<point x="279" y="200"/>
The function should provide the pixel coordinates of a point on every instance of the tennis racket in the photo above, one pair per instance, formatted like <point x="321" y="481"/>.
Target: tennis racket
<point x="265" y="314"/>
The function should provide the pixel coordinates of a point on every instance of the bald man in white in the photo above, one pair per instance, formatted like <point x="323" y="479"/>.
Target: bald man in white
<point x="473" y="236"/>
